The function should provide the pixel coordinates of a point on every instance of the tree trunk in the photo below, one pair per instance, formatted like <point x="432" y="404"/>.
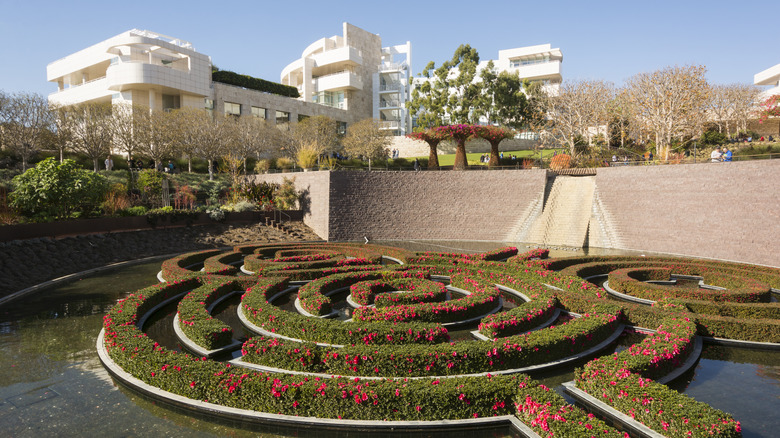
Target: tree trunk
<point x="493" y="154"/>
<point x="211" y="170"/>
<point x="460" y="156"/>
<point x="95" y="164"/>
<point x="433" y="156"/>
<point x="189" y="164"/>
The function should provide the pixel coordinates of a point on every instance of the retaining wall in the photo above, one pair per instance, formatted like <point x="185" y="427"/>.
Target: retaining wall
<point x="728" y="211"/>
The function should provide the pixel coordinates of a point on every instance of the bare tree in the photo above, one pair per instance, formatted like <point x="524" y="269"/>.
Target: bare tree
<point x="367" y="139"/>
<point x="745" y="99"/>
<point x="318" y="133"/>
<point x="89" y="130"/>
<point x="26" y="122"/>
<point x="158" y="135"/>
<point x="188" y="124"/>
<point x="576" y="110"/>
<point x="126" y="125"/>
<point x="669" y="103"/>
<point x="212" y="140"/>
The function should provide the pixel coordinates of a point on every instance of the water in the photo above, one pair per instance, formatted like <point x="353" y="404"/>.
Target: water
<point x="53" y="384"/>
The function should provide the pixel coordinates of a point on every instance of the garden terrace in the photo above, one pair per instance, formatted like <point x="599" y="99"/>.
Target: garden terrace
<point x="398" y="361"/>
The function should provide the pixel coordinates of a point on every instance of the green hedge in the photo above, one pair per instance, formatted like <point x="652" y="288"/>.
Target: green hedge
<point x="245" y="81"/>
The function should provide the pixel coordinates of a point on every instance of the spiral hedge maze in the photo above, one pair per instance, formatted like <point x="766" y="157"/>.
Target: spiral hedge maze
<point x="393" y="362"/>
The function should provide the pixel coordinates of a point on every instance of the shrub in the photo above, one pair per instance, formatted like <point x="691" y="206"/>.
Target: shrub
<point x="57" y="190"/>
<point x="285" y="196"/>
<point x="713" y="137"/>
<point x="150" y="183"/>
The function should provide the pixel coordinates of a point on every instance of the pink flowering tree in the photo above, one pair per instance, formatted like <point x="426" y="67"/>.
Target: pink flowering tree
<point x="459" y="134"/>
<point x="494" y="135"/>
<point x="433" y="138"/>
<point x="769" y="108"/>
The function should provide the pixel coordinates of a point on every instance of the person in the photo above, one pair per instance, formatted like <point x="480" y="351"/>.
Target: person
<point x="416" y="164"/>
<point x="716" y="155"/>
<point x="130" y="164"/>
<point x="614" y="158"/>
<point x="727" y="155"/>
<point x="170" y="167"/>
<point x="109" y="163"/>
<point x="649" y="156"/>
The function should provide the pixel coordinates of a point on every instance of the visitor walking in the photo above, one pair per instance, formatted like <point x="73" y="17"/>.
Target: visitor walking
<point x="109" y="163"/>
<point x="416" y="164"/>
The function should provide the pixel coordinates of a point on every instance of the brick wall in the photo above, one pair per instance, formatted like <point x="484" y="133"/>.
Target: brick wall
<point x="473" y="205"/>
<point x="728" y="211"/>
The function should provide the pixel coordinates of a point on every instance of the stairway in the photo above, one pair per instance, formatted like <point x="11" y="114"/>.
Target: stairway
<point x="567" y="211"/>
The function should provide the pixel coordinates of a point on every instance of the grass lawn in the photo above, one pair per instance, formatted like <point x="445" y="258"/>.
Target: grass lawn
<point x="473" y="159"/>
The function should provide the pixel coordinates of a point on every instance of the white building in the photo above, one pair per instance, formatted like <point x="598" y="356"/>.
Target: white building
<point x="353" y="72"/>
<point x="771" y="77"/>
<point x="135" y="66"/>
<point x="539" y="63"/>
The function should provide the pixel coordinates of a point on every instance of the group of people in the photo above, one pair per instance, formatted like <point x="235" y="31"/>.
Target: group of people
<point x="394" y="153"/>
<point x="719" y="154"/>
<point x="485" y="158"/>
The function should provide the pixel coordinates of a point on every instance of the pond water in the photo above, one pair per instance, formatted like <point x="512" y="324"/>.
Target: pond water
<point x="52" y="382"/>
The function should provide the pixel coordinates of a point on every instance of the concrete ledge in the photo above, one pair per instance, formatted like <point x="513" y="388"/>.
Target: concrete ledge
<point x="191" y="345"/>
<point x="625" y="297"/>
<point x="690" y="361"/>
<point x="545" y="324"/>
<point x="602" y="409"/>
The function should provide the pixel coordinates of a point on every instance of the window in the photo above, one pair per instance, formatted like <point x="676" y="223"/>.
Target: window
<point x="282" y="119"/>
<point x="258" y="112"/>
<point x="342" y="128"/>
<point x="208" y="104"/>
<point x="302" y="117"/>
<point x="170" y="102"/>
<point x="233" y="109"/>
<point x="515" y="63"/>
<point x="333" y="99"/>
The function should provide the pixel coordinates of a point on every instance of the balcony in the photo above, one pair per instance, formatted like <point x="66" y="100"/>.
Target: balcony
<point x="336" y="60"/>
<point x="127" y="75"/>
<point x="94" y="89"/>
<point x="391" y="86"/>
<point x="770" y="76"/>
<point x="389" y="124"/>
<point x="551" y="69"/>
<point x="389" y="104"/>
<point x="343" y="80"/>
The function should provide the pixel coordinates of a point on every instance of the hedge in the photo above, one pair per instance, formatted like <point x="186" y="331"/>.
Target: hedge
<point x="245" y="81"/>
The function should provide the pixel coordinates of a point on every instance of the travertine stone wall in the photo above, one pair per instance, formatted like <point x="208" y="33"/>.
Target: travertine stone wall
<point x="728" y="211"/>
<point x="315" y="199"/>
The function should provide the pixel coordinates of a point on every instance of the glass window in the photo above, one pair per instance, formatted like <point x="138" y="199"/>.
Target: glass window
<point x="258" y="112"/>
<point x="208" y="104"/>
<point x="234" y="109"/>
<point x="283" y="119"/>
<point x="170" y="102"/>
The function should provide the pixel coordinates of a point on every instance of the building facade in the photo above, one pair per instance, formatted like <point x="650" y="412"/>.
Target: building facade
<point x="770" y="77"/>
<point x="354" y="72"/>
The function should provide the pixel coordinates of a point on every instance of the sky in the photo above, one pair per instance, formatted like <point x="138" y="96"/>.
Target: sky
<point x="604" y="40"/>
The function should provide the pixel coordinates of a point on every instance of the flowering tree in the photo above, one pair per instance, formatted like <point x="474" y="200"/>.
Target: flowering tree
<point x="494" y="135"/>
<point x="433" y="138"/>
<point x="459" y="134"/>
<point x="769" y="108"/>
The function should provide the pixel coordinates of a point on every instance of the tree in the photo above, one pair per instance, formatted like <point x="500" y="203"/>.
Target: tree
<point x="158" y="135"/>
<point x="426" y="105"/>
<point x="669" y="103"/>
<point x="212" y="141"/>
<point x="57" y="190"/>
<point x="494" y="135"/>
<point x="365" y="138"/>
<point x="732" y="103"/>
<point x="433" y="138"/>
<point x="770" y="107"/>
<point x="89" y="130"/>
<point x="744" y="101"/>
<point x="459" y="134"/>
<point x="26" y="121"/>
<point x="126" y="128"/>
<point x="446" y="92"/>
<point x="577" y="109"/>
<point x="253" y="135"/>
<point x="317" y="133"/>
<point x="502" y="99"/>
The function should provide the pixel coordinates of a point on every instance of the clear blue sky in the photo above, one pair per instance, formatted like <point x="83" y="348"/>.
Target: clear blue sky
<point x="609" y="40"/>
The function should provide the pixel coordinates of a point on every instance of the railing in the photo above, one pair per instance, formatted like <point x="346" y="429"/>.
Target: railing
<point x="72" y="86"/>
<point x="395" y="86"/>
<point x="389" y="104"/>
